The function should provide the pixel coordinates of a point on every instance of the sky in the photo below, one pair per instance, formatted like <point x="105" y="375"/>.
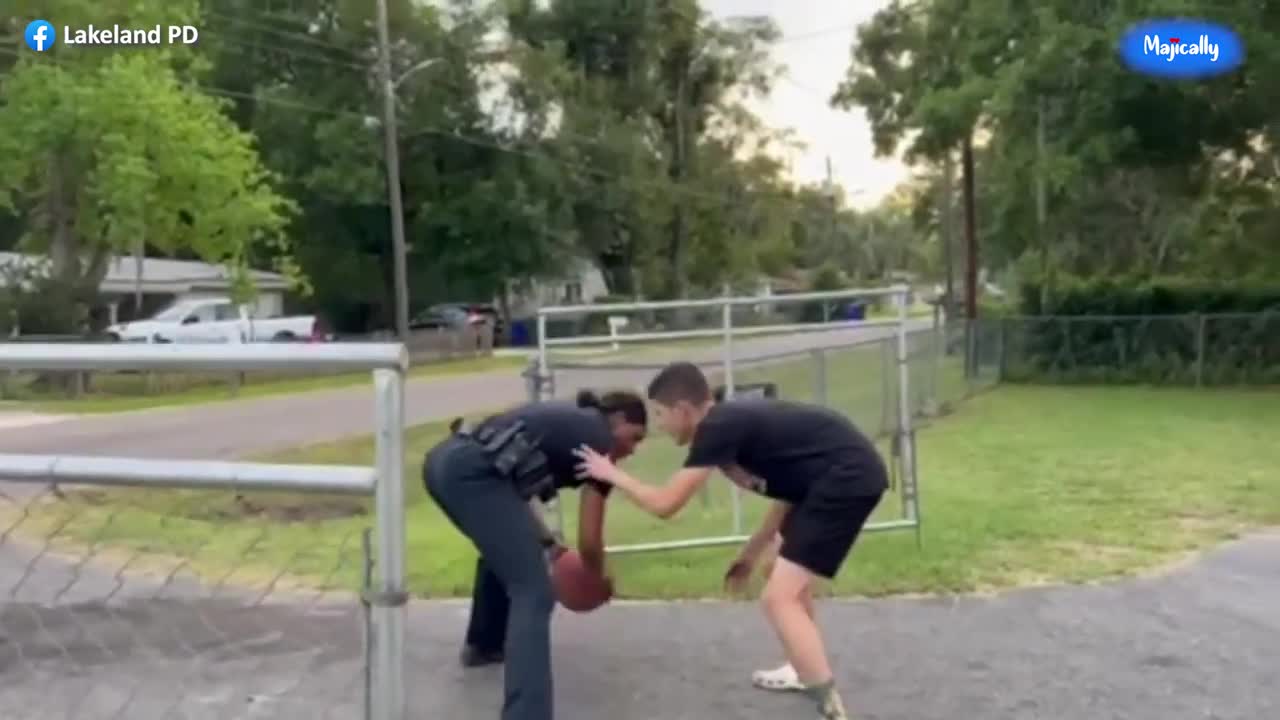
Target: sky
<point x="817" y="37"/>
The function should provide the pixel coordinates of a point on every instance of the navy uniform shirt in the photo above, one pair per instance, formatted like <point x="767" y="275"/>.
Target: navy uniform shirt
<point x="558" y="428"/>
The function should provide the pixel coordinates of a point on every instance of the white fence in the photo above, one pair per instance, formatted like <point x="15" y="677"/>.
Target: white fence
<point x="385" y="647"/>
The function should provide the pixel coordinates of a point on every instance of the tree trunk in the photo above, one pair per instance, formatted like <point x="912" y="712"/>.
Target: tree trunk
<point x="677" y="247"/>
<point x="947" y="234"/>
<point x="970" y="231"/>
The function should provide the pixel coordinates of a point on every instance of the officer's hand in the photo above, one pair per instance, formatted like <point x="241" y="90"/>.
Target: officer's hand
<point x="554" y="547"/>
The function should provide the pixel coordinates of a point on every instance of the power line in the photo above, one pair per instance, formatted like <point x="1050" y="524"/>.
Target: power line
<point x="715" y="199"/>
<point x="787" y="76"/>
<point x="368" y="69"/>
<point x="815" y="34"/>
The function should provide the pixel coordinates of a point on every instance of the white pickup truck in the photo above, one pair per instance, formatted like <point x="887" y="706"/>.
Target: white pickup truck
<point x="215" y="320"/>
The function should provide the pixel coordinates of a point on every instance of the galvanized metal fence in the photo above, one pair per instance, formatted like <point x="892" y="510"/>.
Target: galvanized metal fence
<point x="123" y="596"/>
<point x="865" y="368"/>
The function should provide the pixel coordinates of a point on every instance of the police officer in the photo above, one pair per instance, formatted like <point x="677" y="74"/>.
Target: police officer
<point x="489" y="481"/>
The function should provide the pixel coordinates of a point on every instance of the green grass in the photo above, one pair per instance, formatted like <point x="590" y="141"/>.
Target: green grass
<point x="117" y="392"/>
<point x="1021" y="485"/>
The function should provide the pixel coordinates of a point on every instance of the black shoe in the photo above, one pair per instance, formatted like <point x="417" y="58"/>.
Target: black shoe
<point x="473" y="656"/>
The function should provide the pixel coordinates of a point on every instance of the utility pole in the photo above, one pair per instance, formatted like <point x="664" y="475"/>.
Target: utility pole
<point x="832" y="230"/>
<point x="832" y="208"/>
<point x="399" y="251"/>
<point x="971" y="258"/>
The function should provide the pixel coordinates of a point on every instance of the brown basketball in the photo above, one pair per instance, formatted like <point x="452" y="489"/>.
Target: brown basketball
<point x="577" y="588"/>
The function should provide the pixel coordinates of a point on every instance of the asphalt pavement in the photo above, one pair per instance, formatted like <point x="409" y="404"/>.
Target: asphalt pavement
<point x="1198" y="643"/>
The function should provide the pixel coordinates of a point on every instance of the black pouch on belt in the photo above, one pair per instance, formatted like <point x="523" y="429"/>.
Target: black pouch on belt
<point x="518" y="457"/>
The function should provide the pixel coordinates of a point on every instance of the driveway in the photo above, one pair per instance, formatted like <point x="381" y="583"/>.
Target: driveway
<point x="240" y="428"/>
<point x="1199" y="643"/>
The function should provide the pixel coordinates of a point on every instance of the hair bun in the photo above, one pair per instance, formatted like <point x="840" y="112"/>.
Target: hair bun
<point x="588" y="399"/>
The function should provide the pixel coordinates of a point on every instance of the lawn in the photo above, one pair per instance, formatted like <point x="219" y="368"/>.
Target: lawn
<point x="117" y="392"/>
<point x="1021" y="485"/>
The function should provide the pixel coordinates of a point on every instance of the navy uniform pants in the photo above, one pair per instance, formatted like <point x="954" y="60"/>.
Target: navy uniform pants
<point x="514" y="597"/>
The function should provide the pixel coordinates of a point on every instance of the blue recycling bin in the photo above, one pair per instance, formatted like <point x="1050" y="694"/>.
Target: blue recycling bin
<point x="856" y="311"/>
<point x="521" y="333"/>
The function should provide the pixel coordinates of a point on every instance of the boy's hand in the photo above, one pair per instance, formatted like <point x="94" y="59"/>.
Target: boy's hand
<point x="594" y="465"/>
<point x="738" y="574"/>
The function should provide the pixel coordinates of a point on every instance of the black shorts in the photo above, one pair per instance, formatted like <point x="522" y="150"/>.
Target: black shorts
<point x="820" y="530"/>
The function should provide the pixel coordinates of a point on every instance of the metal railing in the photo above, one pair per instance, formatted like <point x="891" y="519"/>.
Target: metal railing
<point x="385" y="602"/>
<point x="889" y="336"/>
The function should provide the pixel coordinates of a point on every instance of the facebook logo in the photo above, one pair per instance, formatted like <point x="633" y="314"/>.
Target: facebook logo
<point x="41" y="35"/>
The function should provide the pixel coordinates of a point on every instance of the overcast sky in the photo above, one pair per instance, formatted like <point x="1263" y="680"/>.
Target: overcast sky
<point x="815" y="49"/>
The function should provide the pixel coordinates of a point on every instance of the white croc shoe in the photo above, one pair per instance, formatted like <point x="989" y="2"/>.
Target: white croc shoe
<point x="781" y="679"/>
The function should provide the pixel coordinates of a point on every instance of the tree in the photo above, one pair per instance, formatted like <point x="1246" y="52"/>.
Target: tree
<point x="652" y="132"/>
<point x="95" y="176"/>
<point x="1086" y="167"/>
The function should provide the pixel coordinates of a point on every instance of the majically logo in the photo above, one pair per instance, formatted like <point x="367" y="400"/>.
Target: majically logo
<point x="1181" y="49"/>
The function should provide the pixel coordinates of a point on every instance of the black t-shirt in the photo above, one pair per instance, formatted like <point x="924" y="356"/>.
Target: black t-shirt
<point x="789" y="446"/>
<point x="559" y="428"/>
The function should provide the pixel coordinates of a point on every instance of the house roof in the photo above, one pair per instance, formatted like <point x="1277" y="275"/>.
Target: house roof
<point x="160" y="275"/>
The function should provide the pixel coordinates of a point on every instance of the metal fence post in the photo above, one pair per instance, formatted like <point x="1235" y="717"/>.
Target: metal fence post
<point x="820" y="376"/>
<point x="391" y="598"/>
<point x="1004" y="350"/>
<point x="887" y="403"/>
<point x="366" y="587"/>
<point x="736" y="493"/>
<point x="906" y="435"/>
<point x="543" y="361"/>
<point x="540" y="389"/>
<point x="1001" y="339"/>
<point x="1201" y="328"/>
<point x="939" y="342"/>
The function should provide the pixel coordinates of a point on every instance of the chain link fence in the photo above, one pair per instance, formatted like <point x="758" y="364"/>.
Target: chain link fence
<point x="851" y="365"/>
<point x="143" y="604"/>
<point x="155" y="589"/>
<point x="1200" y="350"/>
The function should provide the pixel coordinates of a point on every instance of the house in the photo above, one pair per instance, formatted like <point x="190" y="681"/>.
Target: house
<point x="581" y="284"/>
<point x="163" y="281"/>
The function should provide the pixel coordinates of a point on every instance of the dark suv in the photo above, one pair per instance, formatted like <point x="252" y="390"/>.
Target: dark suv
<point x="459" y="315"/>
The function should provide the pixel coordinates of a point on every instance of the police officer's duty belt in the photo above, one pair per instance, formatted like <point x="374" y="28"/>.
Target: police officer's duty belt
<point x="514" y="455"/>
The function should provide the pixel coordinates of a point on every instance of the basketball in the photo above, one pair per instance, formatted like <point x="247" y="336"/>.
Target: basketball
<point x="577" y="588"/>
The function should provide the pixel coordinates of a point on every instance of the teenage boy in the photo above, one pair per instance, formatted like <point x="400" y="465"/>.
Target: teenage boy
<point x="824" y="476"/>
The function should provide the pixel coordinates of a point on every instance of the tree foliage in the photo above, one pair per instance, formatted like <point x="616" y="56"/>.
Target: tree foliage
<point x="104" y="152"/>
<point x="1140" y="177"/>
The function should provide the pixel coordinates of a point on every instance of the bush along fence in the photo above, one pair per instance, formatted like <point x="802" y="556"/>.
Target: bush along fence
<point x="1170" y="333"/>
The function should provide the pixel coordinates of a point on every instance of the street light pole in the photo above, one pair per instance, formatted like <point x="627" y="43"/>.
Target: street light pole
<point x="399" y="251"/>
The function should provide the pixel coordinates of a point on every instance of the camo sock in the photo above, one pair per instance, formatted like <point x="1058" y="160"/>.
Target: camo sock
<point x="830" y="704"/>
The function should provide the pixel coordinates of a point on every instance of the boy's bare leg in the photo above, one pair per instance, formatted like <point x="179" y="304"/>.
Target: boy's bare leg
<point x="788" y="604"/>
<point x="783" y="677"/>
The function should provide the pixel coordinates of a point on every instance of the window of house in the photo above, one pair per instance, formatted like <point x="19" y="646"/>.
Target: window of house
<point x="573" y="292"/>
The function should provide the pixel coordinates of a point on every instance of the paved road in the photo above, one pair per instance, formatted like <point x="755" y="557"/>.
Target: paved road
<point x="1198" y="644"/>
<point x="228" y="430"/>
